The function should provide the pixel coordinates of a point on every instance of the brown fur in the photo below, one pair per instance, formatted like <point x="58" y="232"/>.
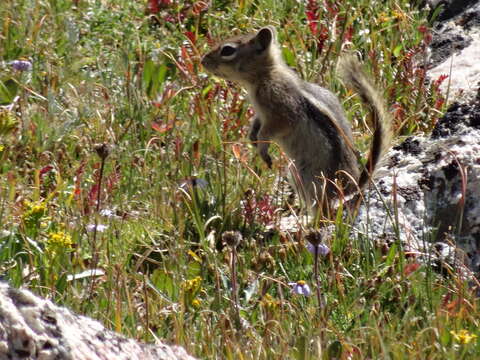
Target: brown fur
<point x="306" y="120"/>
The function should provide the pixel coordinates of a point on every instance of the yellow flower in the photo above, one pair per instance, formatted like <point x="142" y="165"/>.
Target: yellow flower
<point x="399" y="15"/>
<point x="463" y="336"/>
<point x="269" y="302"/>
<point x="196" y="303"/>
<point x="383" y="17"/>
<point x="59" y="240"/>
<point x="35" y="211"/>
<point x="192" y="284"/>
<point x="2" y="147"/>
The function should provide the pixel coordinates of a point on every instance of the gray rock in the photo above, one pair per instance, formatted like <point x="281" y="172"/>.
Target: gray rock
<point x="429" y="190"/>
<point x="34" y="328"/>
<point x="455" y="52"/>
<point x="451" y="8"/>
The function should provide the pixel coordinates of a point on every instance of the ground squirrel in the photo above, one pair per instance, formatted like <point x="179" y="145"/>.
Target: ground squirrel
<point x="306" y="120"/>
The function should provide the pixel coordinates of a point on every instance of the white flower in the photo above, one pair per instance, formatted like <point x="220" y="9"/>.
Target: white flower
<point x="107" y="213"/>
<point x="100" y="227"/>
<point x="364" y="32"/>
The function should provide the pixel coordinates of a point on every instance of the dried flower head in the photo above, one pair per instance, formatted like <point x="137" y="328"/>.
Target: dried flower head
<point x="103" y="150"/>
<point x="269" y="303"/>
<point x="232" y="238"/>
<point x="314" y="237"/>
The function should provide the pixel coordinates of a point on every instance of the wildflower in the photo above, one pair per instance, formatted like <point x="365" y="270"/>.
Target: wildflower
<point x="383" y="17"/>
<point x="36" y="208"/>
<point x="35" y="211"/>
<point x="100" y="227"/>
<point x="269" y="302"/>
<point x="196" y="303"/>
<point x="192" y="284"/>
<point x="107" y="213"/>
<point x="314" y="238"/>
<point x="463" y="336"/>
<point x="364" y="32"/>
<point x="399" y="15"/>
<point x="232" y="238"/>
<point x="322" y="249"/>
<point x="21" y="65"/>
<point x="300" y="288"/>
<point x="58" y="241"/>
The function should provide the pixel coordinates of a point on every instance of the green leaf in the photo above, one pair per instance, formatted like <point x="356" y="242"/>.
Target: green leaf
<point x="161" y="73"/>
<point x="164" y="283"/>
<point x="153" y="77"/>
<point x="301" y="348"/>
<point x="391" y="255"/>
<point x="8" y="91"/>
<point x="61" y="283"/>
<point x="396" y="51"/>
<point x="288" y="56"/>
<point x="148" y="69"/>
<point x="194" y="269"/>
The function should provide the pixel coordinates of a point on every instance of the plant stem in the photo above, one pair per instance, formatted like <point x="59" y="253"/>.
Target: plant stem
<point x="94" y="240"/>
<point x="317" y="280"/>
<point x="234" y="286"/>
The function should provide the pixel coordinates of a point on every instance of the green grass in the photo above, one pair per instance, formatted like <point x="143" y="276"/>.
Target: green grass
<point x="105" y="72"/>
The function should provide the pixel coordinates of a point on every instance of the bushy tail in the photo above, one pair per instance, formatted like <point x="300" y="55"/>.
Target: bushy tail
<point x="352" y="74"/>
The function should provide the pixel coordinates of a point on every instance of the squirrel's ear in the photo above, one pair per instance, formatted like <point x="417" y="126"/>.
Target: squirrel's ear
<point x="264" y="38"/>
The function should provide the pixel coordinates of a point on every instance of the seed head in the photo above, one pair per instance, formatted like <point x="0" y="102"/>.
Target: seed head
<point x="314" y="237"/>
<point x="232" y="238"/>
<point x="103" y="150"/>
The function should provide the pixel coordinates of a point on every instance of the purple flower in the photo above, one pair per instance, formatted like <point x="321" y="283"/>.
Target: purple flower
<point x="322" y="249"/>
<point x="300" y="288"/>
<point x="21" y="65"/>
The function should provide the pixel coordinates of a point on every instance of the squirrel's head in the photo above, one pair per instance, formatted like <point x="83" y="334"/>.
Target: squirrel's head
<point x="245" y="58"/>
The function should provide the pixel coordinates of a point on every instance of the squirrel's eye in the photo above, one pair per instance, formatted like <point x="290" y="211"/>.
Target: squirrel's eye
<point x="228" y="51"/>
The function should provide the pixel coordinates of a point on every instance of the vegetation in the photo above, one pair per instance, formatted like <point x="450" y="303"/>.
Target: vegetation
<point x="119" y="154"/>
